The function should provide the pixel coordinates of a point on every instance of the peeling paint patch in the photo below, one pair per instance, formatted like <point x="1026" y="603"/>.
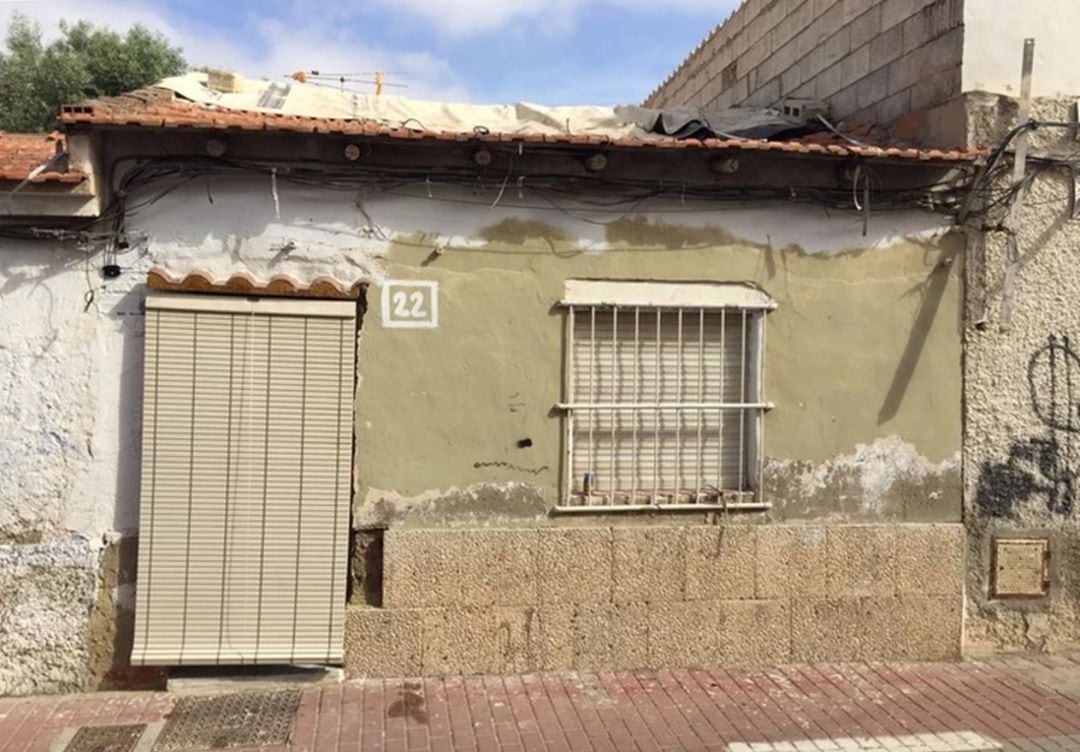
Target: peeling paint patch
<point x="518" y="231"/>
<point x="886" y="478"/>
<point x="482" y="504"/>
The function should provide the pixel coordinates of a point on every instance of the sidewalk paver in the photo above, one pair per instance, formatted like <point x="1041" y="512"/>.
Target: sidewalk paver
<point x="1028" y="704"/>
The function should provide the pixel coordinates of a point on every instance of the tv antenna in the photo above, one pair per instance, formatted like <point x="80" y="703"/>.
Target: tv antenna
<point x="375" y="78"/>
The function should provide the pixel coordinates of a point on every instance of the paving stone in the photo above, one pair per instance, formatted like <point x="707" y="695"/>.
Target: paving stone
<point x="579" y="710"/>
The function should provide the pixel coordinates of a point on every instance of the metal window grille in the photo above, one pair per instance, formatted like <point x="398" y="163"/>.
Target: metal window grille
<point x="664" y="408"/>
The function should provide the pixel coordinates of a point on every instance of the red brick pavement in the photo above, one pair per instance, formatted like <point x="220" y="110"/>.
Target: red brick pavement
<point x="927" y="707"/>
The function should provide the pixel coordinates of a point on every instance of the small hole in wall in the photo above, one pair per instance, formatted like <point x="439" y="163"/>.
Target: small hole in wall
<point x="524" y="443"/>
<point x="366" y="567"/>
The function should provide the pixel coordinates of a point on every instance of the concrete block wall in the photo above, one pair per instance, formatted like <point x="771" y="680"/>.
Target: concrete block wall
<point x="510" y="600"/>
<point x="870" y="60"/>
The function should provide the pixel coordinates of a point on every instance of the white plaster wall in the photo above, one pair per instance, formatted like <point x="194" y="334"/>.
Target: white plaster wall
<point x="229" y="224"/>
<point x="53" y="430"/>
<point x="994" y="33"/>
<point x="66" y="439"/>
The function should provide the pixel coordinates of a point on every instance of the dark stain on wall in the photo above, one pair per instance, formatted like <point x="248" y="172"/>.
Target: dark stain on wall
<point x="1040" y="467"/>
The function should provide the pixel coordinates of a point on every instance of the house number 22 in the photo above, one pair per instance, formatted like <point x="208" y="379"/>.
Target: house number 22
<point x="410" y="304"/>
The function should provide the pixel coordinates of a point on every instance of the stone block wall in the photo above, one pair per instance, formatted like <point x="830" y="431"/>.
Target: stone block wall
<point x="590" y="598"/>
<point x="871" y="61"/>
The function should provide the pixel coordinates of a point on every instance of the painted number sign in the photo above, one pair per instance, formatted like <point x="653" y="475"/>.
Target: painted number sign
<point x="410" y="304"/>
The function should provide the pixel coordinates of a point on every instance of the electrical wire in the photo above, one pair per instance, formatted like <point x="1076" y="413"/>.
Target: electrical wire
<point x="591" y="195"/>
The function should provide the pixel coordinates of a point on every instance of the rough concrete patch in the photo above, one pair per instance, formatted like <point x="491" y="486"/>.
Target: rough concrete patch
<point x="887" y="478"/>
<point x="46" y="592"/>
<point x="112" y="623"/>
<point x="483" y="504"/>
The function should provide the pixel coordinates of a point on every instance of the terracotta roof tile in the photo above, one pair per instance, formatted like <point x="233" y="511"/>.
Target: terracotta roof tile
<point x="22" y="153"/>
<point x="157" y="108"/>
<point x="242" y="283"/>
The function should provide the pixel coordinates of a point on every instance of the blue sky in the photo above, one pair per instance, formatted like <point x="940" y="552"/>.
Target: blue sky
<point x="546" y="51"/>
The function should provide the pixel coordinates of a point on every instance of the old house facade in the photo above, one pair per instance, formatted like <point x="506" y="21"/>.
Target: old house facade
<point x="950" y="73"/>
<point x="309" y="389"/>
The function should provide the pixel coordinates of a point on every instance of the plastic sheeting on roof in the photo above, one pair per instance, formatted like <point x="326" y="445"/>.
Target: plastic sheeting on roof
<point x="316" y="100"/>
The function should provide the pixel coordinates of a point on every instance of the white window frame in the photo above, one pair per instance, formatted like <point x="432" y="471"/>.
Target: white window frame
<point x="641" y="299"/>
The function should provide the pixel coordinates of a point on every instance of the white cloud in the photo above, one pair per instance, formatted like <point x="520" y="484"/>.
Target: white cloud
<point x="270" y="48"/>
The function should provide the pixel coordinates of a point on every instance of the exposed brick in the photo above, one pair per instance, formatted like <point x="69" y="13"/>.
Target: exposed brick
<point x="910" y="127"/>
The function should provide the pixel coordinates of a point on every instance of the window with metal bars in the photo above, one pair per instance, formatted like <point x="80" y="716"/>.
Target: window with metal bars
<point x="664" y="401"/>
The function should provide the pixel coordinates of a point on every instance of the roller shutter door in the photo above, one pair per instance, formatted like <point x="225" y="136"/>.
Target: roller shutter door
<point x="246" y="457"/>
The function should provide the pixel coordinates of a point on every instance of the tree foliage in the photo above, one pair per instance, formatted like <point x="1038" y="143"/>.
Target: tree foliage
<point x="84" y="62"/>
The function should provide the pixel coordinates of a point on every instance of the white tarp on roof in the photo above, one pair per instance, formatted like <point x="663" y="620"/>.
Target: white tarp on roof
<point x="316" y="100"/>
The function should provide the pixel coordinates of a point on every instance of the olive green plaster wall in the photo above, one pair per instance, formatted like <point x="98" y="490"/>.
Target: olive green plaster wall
<point x="862" y="362"/>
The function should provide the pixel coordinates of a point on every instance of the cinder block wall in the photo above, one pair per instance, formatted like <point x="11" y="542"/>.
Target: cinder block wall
<point x="870" y="60"/>
<point x="512" y="600"/>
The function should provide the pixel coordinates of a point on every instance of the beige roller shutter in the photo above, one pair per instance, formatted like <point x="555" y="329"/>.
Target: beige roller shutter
<point x="244" y="516"/>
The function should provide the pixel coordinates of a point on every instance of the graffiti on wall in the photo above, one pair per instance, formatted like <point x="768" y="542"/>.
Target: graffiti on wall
<point x="1043" y="467"/>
